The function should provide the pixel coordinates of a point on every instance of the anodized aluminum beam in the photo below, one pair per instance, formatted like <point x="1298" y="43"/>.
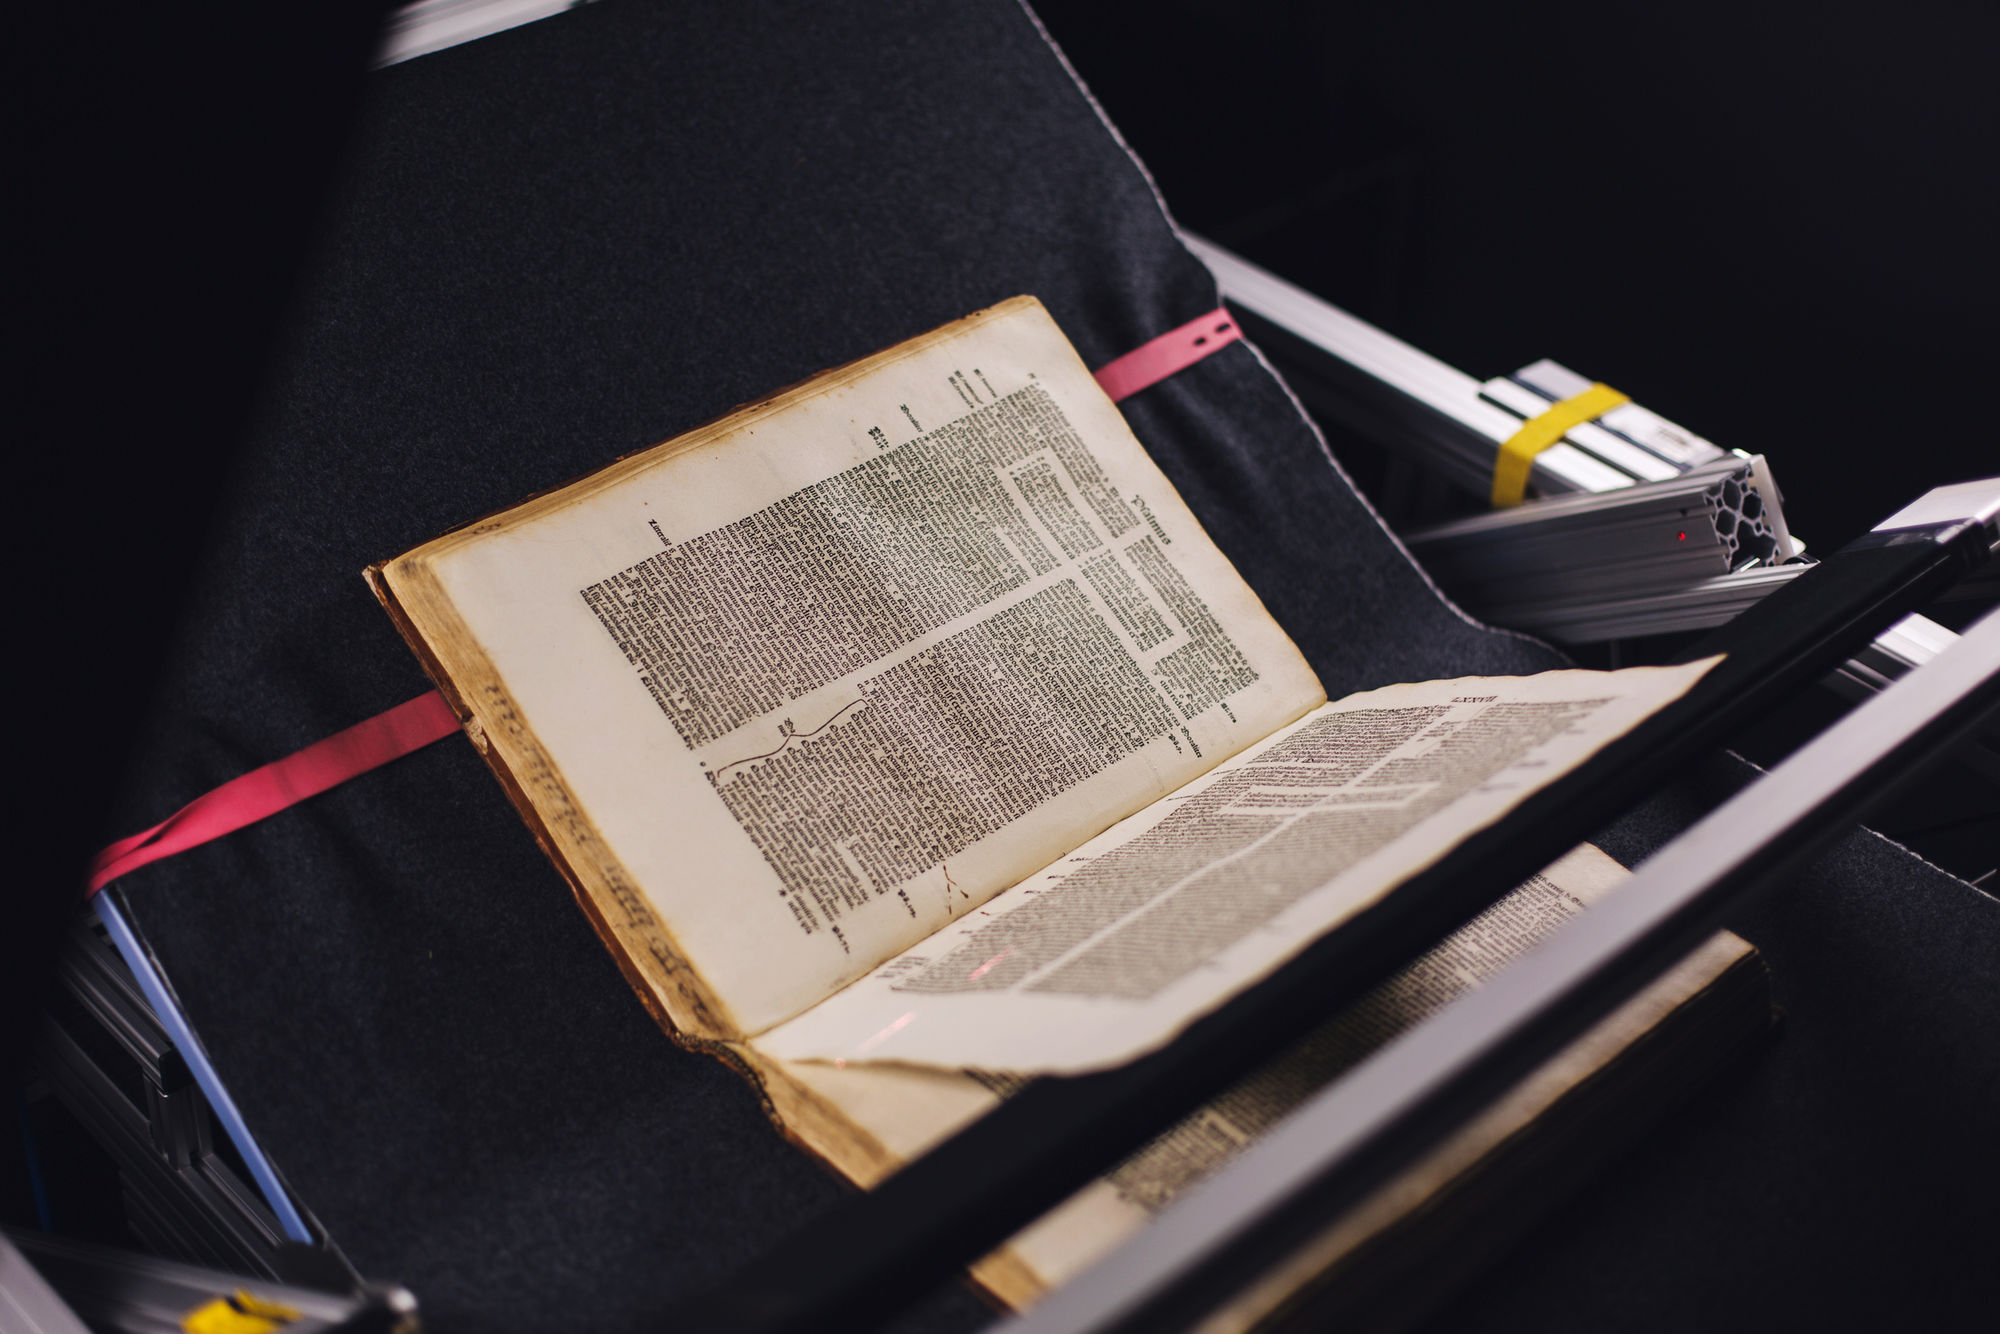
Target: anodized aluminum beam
<point x="1904" y="647"/>
<point x="1647" y="429"/>
<point x="874" y="1253"/>
<point x="1346" y="1140"/>
<point x="1629" y="434"/>
<point x="1668" y="534"/>
<point x="1702" y="605"/>
<point x="129" y="1293"/>
<point x="1408" y="399"/>
<point x="1522" y="403"/>
<point x="432" y="25"/>
<point x="1386" y="382"/>
<point x="28" y="1304"/>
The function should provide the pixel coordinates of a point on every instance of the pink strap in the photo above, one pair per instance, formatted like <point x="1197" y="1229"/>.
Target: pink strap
<point x="427" y="718"/>
<point x="280" y="784"/>
<point x="1152" y="362"/>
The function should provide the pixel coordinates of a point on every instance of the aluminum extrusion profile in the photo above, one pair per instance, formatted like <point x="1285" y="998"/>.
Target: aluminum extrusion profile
<point x="1353" y="1135"/>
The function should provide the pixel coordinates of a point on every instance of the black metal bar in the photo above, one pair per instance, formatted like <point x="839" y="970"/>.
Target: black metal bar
<point x="879" y="1251"/>
<point x="1380" y="1117"/>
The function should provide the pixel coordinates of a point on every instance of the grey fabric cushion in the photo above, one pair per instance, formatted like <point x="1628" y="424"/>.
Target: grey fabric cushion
<point x="553" y="246"/>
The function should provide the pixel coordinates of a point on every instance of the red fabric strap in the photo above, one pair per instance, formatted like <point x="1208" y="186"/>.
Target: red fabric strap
<point x="280" y="784"/>
<point x="1152" y="362"/>
<point x="427" y="718"/>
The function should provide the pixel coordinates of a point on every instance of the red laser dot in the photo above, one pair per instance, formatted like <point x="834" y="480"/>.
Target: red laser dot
<point x="1682" y="536"/>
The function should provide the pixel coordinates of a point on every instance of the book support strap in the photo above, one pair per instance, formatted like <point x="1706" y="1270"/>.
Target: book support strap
<point x="390" y="735"/>
<point x="1153" y="361"/>
<point x="281" y="784"/>
<point x="417" y="723"/>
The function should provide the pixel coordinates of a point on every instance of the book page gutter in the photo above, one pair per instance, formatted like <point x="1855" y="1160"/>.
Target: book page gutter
<point x="1109" y="953"/>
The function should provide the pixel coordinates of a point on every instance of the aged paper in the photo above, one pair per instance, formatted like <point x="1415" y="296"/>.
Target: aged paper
<point x="829" y="676"/>
<point x="871" y="1118"/>
<point x="1110" y="951"/>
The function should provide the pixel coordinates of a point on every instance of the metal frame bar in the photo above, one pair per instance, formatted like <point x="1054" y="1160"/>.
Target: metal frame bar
<point x="1353" y="1135"/>
<point x="1411" y="401"/>
<point x="123" y="1290"/>
<point x="1561" y="560"/>
<point x="876" y="1252"/>
<point x="1386" y="380"/>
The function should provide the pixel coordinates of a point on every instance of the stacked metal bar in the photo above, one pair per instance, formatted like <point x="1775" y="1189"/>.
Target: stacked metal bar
<point x="104" y="1053"/>
<point x="59" y="1286"/>
<point x="1191" y="1260"/>
<point x="1642" y="444"/>
<point x="969" y="1193"/>
<point x="1392" y="391"/>
<point x="1422" y="408"/>
<point x="1574" y="567"/>
<point x="425" y="26"/>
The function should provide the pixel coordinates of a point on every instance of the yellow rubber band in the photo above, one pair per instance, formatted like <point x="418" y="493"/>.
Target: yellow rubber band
<point x="251" y="1304"/>
<point x="241" y="1314"/>
<point x="1517" y="452"/>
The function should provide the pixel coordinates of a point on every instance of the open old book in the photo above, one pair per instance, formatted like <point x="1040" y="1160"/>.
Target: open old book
<point x="906" y="723"/>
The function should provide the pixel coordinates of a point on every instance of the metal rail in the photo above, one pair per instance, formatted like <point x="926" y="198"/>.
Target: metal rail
<point x="876" y="1252"/>
<point x="1356" y="1133"/>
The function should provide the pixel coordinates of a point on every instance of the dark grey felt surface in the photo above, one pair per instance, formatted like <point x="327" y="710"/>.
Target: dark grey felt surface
<point x="565" y="242"/>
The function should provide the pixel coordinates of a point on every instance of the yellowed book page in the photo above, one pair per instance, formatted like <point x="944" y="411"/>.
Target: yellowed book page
<point x="1109" y="953"/>
<point x="873" y="1118"/>
<point x="828" y="675"/>
<point x="1513" y="1113"/>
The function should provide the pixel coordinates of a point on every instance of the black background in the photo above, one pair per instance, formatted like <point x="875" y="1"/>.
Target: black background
<point x="1773" y="224"/>
<point x="1776" y="230"/>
